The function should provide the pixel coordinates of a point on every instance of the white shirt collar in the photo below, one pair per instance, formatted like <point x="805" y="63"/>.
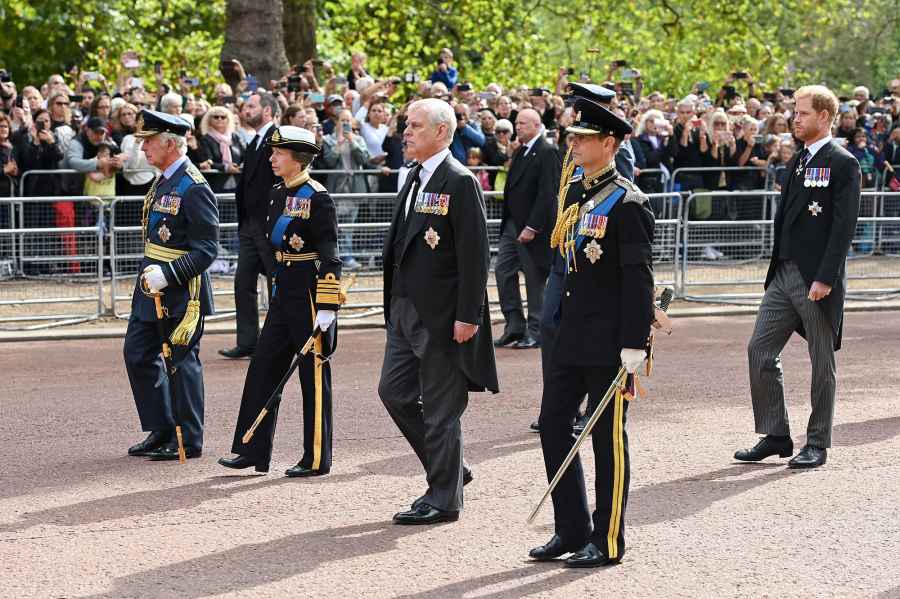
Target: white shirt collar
<point x="262" y="132"/>
<point x="432" y="163"/>
<point x="533" y="140"/>
<point x="174" y="167"/>
<point x="818" y="146"/>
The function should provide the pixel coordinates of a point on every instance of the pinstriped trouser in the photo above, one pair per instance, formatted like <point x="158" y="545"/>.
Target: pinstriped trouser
<point x="784" y="306"/>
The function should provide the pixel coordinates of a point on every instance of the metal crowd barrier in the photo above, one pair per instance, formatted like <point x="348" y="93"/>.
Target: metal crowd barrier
<point x="50" y="266"/>
<point x="705" y="170"/>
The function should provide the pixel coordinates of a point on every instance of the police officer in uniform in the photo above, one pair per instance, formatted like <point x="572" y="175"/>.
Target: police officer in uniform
<point x="180" y="221"/>
<point x="605" y="233"/>
<point x="302" y="229"/>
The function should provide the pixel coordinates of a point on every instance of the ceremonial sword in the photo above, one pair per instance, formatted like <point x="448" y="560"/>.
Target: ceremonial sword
<point x="620" y="379"/>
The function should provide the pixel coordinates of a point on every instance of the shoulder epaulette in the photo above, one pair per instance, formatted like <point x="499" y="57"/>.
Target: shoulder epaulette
<point x="632" y="192"/>
<point x="316" y="185"/>
<point x="194" y="173"/>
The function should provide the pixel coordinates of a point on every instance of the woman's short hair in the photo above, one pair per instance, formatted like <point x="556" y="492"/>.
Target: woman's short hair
<point x="216" y="110"/>
<point x="651" y="115"/>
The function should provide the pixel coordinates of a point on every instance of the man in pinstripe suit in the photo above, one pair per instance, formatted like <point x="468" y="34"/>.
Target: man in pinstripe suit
<point x="806" y="282"/>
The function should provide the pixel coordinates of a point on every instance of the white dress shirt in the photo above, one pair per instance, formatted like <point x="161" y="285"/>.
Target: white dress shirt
<point x="428" y="168"/>
<point x="817" y="146"/>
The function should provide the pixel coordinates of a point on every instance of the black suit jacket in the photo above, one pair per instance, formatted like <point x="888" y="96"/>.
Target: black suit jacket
<point x="530" y="195"/>
<point x="257" y="179"/>
<point x="819" y="244"/>
<point x="448" y="283"/>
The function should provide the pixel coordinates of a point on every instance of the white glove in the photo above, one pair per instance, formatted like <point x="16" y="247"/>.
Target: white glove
<point x="324" y="319"/>
<point x="632" y="359"/>
<point x="154" y="278"/>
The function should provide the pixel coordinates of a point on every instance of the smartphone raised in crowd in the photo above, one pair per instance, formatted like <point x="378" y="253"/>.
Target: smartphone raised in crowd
<point x="346" y="127"/>
<point x="317" y="97"/>
<point x="629" y="74"/>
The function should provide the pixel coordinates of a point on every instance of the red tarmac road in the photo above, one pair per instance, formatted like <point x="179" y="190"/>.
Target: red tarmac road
<point x="78" y="518"/>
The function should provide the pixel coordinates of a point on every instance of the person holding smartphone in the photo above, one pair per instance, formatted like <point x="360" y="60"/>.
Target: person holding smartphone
<point x="444" y="71"/>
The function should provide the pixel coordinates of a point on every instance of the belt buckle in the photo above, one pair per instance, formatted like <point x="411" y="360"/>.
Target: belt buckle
<point x="279" y="257"/>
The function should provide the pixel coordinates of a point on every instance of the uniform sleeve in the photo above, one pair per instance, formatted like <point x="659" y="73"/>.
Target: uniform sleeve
<point x="635" y="232"/>
<point x="470" y="237"/>
<point x="202" y="218"/>
<point x="845" y="203"/>
<point x="325" y="234"/>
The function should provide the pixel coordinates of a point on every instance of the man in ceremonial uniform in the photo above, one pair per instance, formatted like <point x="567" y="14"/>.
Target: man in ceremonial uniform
<point x="806" y="282"/>
<point x="180" y="229"/>
<point x="439" y="346"/>
<point x="605" y="234"/>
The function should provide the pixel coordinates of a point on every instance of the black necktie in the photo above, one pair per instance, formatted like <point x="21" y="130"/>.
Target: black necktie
<point x="804" y="160"/>
<point x="415" y="190"/>
<point x="254" y="142"/>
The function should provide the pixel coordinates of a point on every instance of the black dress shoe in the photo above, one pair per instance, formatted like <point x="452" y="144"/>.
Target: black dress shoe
<point x="507" y="339"/>
<point x="468" y="476"/>
<point x="526" y="343"/>
<point x="552" y="549"/>
<point x="154" y="441"/>
<point x="589" y="556"/>
<point x="240" y="462"/>
<point x="768" y="445"/>
<point x="237" y="352"/>
<point x="809" y="457"/>
<point x="535" y="426"/>
<point x="425" y="513"/>
<point x="169" y="452"/>
<point x="300" y="470"/>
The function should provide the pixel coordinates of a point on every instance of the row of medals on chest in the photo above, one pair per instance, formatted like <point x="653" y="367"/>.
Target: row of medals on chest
<point x="592" y="225"/>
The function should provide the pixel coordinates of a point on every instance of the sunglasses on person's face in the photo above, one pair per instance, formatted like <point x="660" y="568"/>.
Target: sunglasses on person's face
<point x="218" y="117"/>
<point x="61" y="103"/>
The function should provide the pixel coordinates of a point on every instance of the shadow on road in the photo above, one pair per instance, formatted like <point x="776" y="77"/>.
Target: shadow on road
<point x="560" y="577"/>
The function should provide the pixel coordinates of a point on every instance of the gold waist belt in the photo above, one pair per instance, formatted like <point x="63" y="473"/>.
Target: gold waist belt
<point x="164" y="254"/>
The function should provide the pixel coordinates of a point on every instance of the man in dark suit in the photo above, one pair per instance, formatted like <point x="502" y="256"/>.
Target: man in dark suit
<point x="806" y="283"/>
<point x="180" y="226"/>
<point x="528" y="211"/>
<point x="436" y="259"/>
<point x="254" y="254"/>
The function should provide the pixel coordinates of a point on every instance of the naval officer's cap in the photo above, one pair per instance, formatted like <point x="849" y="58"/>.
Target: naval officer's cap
<point x="294" y="138"/>
<point x="592" y="118"/>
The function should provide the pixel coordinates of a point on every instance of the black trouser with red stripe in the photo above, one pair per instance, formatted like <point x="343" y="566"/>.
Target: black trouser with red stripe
<point x="564" y="388"/>
<point x="288" y="326"/>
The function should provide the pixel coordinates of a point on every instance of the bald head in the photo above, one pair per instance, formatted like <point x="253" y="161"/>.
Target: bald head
<point x="528" y="125"/>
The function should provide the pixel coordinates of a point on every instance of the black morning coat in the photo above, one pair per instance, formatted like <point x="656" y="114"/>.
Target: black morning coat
<point x="448" y="283"/>
<point x="819" y="243"/>
<point x="257" y="178"/>
<point x="607" y="305"/>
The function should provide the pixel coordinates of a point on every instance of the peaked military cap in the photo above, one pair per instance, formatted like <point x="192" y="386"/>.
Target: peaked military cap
<point x="591" y="91"/>
<point x="294" y="138"/>
<point x="592" y="118"/>
<point x="151" y="122"/>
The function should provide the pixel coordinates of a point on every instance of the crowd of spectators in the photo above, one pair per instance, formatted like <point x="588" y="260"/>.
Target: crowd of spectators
<point x="83" y="122"/>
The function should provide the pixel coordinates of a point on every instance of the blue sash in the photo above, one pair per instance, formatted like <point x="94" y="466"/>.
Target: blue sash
<point x="602" y="209"/>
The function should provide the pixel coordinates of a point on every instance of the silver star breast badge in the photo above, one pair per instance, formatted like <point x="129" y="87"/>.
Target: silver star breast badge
<point x="593" y="251"/>
<point x="164" y="233"/>
<point x="814" y="209"/>
<point x="432" y="238"/>
<point x="296" y="242"/>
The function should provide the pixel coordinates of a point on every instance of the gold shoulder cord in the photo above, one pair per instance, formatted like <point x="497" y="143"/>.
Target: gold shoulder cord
<point x="566" y="218"/>
<point x="145" y="211"/>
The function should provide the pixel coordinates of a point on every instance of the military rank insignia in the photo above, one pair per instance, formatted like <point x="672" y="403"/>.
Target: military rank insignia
<point x="433" y="203"/>
<point x="164" y="233"/>
<point x="593" y="251"/>
<point x="593" y="225"/>
<point x="817" y="177"/>
<point x="168" y="204"/>
<point x="432" y="238"/>
<point x="296" y="207"/>
<point x="296" y="242"/>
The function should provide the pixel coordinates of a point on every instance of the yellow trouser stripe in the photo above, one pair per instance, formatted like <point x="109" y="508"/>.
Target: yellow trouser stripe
<point x="317" y="377"/>
<point x="618" y="450"/>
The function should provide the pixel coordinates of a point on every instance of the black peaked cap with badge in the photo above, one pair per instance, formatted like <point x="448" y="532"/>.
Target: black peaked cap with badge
<point x="592" y="118"/>
<point x="152" y="122"/>
<point x="591" y="91"/>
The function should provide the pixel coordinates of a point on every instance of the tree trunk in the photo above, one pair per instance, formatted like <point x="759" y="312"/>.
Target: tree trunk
<point x="254" y="36"/>
<point x="300" y="30"/>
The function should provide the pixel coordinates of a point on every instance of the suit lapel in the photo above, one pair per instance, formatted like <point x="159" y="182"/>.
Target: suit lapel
<point x="520" y="163"/>
<point x="255" y="154"/>
<point x="435" y="185"/>
<point x="795" y="205"/>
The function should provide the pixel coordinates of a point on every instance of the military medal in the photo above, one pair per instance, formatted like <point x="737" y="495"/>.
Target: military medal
<point x="593" y="225"/>
<point x="814" y="209"/>
<point x="296" y="242"/>
<point x="164" y="233"/>
<point x="168" y="204"/>
<point x="433" y="203"/>
<point x="593" y="251"/>
<point x="817" y="177"/>
<point x="296" y="207"/>
<point x="432" y="238"/>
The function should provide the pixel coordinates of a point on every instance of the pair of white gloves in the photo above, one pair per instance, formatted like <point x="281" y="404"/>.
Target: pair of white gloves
<point x="632" y="359"/>
<point x="155" y="281"/>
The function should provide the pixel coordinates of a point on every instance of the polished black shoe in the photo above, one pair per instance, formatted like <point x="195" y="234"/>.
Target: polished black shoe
<point x="781" y="446"/>
<point x="468" y="476"/>
<point x="300" y="470"/>
<point x="507" y="339"/>
<point x="425" y="513"/>
<point x="580" y="423"/>
<point x="237" y="352"/>
<point x="809" y="457"/>
<point x="589" y="556"/>
<point x="154" y="441"/>
<point x="526" y="343"/>
<point x="240" y="462"/>
<point x="169" y="452"/>
<point x="552" y="549"/>
<point x="535" y="426"/>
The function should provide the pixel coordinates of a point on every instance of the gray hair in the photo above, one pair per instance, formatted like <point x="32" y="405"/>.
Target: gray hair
<point x="170" y="100"/>
<point x="179" y="141"/>
<point x="438" y="113"/>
